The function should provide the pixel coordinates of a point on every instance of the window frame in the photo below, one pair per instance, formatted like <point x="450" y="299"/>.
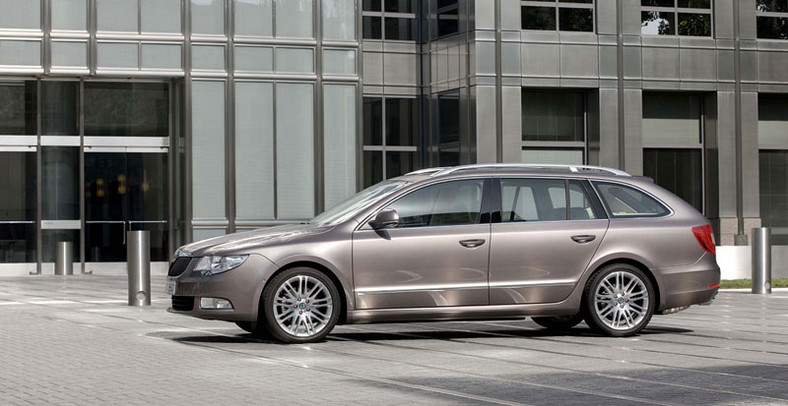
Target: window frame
<point x="557" y="5"/>
<point x="383" y="146"/>
<point x="595" y="185"/>
<point x="382" y="14"/>
<point x="582" y="145"/>
<point x="675" y="10"/>
<point x="782" y="15"/>
<point x="597" y="207"/>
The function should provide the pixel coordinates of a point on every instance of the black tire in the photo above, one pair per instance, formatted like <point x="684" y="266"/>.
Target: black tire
<point x="560" y="323"/>
<point x="622" y="307"/>
<point x="301" y="305"/>
<point x="257" y="329"/>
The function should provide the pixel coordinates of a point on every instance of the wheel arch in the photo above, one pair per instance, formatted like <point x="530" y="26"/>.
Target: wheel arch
<point x="637" y="264"/>
<point x="318" y="267"/>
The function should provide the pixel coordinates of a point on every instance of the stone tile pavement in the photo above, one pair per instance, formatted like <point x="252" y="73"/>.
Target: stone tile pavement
<point x="74" y="341"/>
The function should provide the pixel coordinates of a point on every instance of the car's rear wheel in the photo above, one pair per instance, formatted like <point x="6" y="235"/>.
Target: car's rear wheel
<point x="619" y="300"/>
<point x="301" y="305"/>
<point x="558" y="322"/>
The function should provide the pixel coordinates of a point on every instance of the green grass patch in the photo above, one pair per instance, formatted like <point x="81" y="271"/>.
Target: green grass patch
<point x="747" y="283"/>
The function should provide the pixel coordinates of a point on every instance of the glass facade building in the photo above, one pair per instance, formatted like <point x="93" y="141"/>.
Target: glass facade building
<point x="197" y="118"/>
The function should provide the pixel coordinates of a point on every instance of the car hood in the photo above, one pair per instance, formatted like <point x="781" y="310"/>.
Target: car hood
<point x="241" y="243"/>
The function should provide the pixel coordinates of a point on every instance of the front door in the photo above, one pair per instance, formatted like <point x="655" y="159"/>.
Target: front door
<point x="437" y="256"/>
<point x="125" y="190"/>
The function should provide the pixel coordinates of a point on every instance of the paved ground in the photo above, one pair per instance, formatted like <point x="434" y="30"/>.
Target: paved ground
<point x="73" y="340"/>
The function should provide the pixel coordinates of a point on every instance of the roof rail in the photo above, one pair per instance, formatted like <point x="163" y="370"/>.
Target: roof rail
<point x="426" y="171"/>
<point x="571" y="168"/>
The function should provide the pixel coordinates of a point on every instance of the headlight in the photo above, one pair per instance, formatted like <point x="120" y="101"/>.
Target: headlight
<point x="217" y="264"/>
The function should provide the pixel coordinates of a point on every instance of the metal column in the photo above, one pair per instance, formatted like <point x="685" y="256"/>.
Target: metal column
<point x="64" y="258"/>
<point x="761" y="260"/>
<point x="138" y="267"/>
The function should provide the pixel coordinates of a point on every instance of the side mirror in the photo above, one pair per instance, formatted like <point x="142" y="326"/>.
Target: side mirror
<point x="385" y="219"/>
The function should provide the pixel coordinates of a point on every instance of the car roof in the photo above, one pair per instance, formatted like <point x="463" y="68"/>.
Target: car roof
<point x="579" y="171"/>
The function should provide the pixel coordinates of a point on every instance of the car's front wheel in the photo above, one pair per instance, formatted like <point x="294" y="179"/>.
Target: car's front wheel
<point x="619" y="300"/>
<point x="301" y="305"/>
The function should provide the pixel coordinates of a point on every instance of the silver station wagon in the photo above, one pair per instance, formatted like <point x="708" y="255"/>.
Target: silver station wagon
<point x="559" y="243"/>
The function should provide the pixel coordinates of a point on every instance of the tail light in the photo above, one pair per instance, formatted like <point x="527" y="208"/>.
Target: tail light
<point x="705" y="238"/>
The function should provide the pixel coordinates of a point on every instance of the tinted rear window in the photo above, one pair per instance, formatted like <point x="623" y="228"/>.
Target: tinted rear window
<point x="624" y="201"/>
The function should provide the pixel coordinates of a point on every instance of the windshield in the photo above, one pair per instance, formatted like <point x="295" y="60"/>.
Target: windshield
<point x="351" y="206"/>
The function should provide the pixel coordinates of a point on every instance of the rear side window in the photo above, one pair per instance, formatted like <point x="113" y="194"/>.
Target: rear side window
<point x="624" y="201"/>
<point x="544" y="200"/>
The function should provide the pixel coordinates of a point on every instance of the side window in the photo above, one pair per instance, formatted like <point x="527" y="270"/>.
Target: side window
<point x="625" y="201"/>
<point x="544" y="200"/>
<point x="444" y="204"/>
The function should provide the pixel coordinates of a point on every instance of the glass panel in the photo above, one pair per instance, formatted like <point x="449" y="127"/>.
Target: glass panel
<point x="161" y="56"/>
<point x="657" y="23"/>
<point x="373" y="121"/>
<point x="775" y="6"/>
<point x="49" y="240"/>
<point x="533" y="200"/>
<point x="678" y="170"/>
<point x="254" y="150"/>
<point x="161" y="16"/>
<point x="696" y="3"/>
<point x="208" y="57"/>
<point x="257" y="59"/>
<point x="208" y="149"/>
<point x="59" y="108"/>
<point x="402" y="29"/>
<point x="294" y="18"/>
<point x="580" y="205"/>
<point x="772" y="120"/>
<point x="624" y="201"/>
<point x="698" y="25"/>
<point x="21" y="53"/>
<point x="339" y="61"/>
<point x="553" y="116"/>
<point x="147" y="189"/>
<point x="371" y="5"/>
<point x="69" y="15"/>
<point x="401" y="117"/>
<point x="772" y="27"/>
<point x="339" y="19"/>
<point x="117" y="15"/>
<point x="68" y="53"/>
<point x="18" y="108"/>
<point x="400" y="6"/>
<point x="400" y="163"/>
<point x="17" y="204"/>
<point x="658" y="3"/>
<point x="24" y="14"/>
<point x="774" y="193"/>
<point x="254" y="17"/>
<point x="339" y="129"/>
<point x="448" y="117"/>
<point x="127" y="109"/>
<point x="444" y="204"/>
<point x="372" y="27"/>
<point x="295" y="151"/>
<point x="373" y="167"/>
<point x="575" y="19"/>
<point x="569" y="156"/>
<point x="117" y="55"/>
<point x="538" y="18"/>
<point x="671" y="119"/>
<point x="294" y="60"/>
<point x="60" y="183"/>
<point x="208" y="17"/>
<point x="448" y="18"/>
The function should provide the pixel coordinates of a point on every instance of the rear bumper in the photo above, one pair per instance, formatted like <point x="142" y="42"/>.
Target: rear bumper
<point x="687" y="286"/>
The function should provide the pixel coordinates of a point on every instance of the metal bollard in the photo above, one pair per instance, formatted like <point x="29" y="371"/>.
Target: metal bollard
<point x="761" y="260"/>
<point x="64" y="258"/>
<point x="138" y="267"/>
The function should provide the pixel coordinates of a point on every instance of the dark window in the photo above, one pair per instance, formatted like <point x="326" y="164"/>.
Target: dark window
<point x="373" y="116"/>
<point x="575" y="19"/>
<point x="774" y="192"/>
<point x="400" y="29"/>
<point x="678" y="170"/>
<point x="624" y="201"/>
<point x="538" y="18"/>
<point x="449" y="140"/>
<point x="448" y="17"/>
<point x="18" y="203"/>
<point x="676" y="17"/>
<point x="373" y="27"/>
<point x="564" y="15"/>
<point x="772" y="6"/>
<point x="400" y="6"/>
<point x="59" y="108"/>
<point x="773" y="27"/>
<point x="390" y="19"/>
<point x="544" y="200"/>
<point x="127" y="109"/>
<point x="390" y="138"/>
<point x="444" y="204"/>
<point x="18" y="108"/>
<point x="371" y="5"/>
<point x="553" y="116"/>
<point x="401" y="114"/>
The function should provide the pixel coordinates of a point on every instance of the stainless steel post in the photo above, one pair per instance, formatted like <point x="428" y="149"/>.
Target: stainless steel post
<point x="138" y="267"/>
<point x="64" y="258"/>
<point x="761" y="260"/>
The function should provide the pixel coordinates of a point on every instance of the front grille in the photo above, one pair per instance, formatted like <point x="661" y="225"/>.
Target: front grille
<point x="180" y="265"/>
<point x="183" y="303"/>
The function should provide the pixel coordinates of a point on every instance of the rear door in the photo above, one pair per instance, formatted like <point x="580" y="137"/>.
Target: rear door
<point x="541" y="246"/>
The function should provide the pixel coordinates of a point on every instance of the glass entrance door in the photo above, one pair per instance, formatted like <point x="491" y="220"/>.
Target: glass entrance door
<point x="125" y="191"/>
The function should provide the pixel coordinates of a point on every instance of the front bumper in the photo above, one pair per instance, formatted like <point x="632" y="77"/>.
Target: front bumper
<point x="242" y="286"/>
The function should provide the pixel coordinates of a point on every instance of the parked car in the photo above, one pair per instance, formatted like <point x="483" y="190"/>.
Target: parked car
<point x="558" y="243"/>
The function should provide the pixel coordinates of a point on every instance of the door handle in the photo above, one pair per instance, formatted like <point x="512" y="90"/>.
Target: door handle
<point x="582" y="239"/>
<point x="472" y="243"/>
